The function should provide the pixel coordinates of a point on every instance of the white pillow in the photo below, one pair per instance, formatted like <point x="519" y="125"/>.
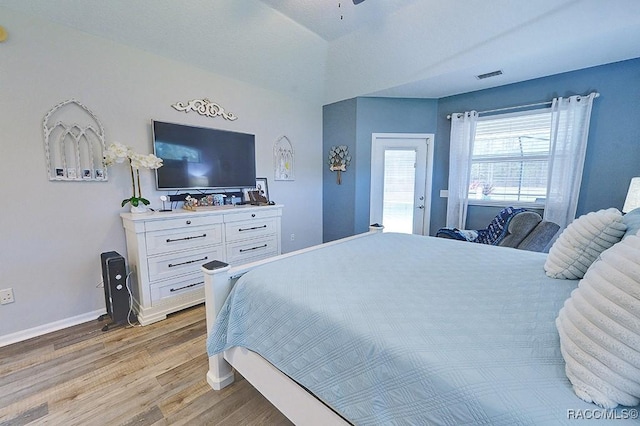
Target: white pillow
<point x="599" y="329"/>
<point x="582" y="242"/>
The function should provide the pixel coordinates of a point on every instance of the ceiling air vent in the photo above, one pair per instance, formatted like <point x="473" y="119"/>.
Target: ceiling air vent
<point x="489" y="74"/>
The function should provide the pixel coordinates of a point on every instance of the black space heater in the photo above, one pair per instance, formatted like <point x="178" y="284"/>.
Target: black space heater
<point x="116" y="294"/>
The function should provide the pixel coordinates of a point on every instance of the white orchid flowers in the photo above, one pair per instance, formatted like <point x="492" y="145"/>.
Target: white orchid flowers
<point x="118" y="153"/>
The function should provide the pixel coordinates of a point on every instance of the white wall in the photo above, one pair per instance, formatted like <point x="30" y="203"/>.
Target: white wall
<point x="52" y="233"/>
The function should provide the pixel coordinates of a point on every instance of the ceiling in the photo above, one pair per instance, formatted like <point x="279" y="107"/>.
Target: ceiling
<point x="434" y="48"/>
<point x="332" y="19"/>
<point x="332" y="49"/>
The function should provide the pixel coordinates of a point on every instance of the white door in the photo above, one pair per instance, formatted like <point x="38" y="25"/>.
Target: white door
<point x="401" y="170"/>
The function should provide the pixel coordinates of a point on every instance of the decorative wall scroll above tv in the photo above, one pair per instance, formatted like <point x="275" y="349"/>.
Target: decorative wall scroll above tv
<point x="74" y="143"/>
<point x="283" y="159"/>
<point x="205" y="107"/>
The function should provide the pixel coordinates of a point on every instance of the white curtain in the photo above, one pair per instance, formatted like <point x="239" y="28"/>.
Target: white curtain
<point x="569" y="131"/>
<point x="463" y="130"/>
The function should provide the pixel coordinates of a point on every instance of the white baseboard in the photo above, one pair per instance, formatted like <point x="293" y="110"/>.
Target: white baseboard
<point x="48" y="328"/>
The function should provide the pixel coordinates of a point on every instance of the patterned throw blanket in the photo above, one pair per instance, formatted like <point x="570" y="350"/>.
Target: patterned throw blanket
<point x="492" y="235"/>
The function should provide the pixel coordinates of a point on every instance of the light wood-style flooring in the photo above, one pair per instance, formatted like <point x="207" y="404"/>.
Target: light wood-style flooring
<point x="152" y="375"/>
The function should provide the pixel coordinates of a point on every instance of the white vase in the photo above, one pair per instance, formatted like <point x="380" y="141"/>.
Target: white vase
<point x="141" y="208"/>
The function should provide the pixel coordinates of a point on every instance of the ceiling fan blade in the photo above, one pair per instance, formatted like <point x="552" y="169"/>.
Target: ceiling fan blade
<point x="357" y="1"/>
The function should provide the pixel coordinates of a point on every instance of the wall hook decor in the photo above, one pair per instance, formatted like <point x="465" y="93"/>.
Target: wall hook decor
<point x="205" y="107"/>
<point x="74" y="143"/>
<point x="339" y="159"/>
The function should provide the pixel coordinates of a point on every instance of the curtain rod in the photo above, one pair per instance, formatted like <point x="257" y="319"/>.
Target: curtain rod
<point x="596" y="94"/>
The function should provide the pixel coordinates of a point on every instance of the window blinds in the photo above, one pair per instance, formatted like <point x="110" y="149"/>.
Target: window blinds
<point x="510" y="157"/>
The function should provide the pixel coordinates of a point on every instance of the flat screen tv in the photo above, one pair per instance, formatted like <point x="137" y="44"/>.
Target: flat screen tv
<point x="203" y="158"/>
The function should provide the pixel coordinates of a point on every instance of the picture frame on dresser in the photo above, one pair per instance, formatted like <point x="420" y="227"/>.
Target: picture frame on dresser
<point x="263" y="187"/>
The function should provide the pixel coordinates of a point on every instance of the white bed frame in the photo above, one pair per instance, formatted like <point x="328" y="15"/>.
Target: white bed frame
<point x="295" y="402"/>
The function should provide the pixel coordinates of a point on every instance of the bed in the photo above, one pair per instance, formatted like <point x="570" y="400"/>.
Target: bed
<point x="385" y="328"/>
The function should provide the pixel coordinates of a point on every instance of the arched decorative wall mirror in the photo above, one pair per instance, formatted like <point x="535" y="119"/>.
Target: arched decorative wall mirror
<point x="74" y="143"/>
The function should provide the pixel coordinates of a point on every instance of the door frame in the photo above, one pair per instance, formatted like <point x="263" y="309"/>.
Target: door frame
<point x="428" y="184"/>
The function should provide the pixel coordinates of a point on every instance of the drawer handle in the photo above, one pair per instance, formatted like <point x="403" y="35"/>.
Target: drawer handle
<point x="253" y="248"/>
<point x="171" y="265"/>
<point x="252" y="228"/>
<point x="186" y="286"/>
<point x="169" y="240"/>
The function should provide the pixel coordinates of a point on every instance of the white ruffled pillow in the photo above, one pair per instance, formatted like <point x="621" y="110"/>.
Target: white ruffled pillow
<point x="599" y="329"/>
<point x="582" y="242"/>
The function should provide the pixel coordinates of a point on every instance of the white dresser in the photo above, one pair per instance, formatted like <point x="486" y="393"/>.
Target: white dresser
<point x="166" y="249"/>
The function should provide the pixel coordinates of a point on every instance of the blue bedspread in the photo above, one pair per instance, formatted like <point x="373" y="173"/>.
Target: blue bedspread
<point x="403" y="329"/>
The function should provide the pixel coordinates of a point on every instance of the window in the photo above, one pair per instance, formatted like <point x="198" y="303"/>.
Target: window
<point x="510" y="158"/>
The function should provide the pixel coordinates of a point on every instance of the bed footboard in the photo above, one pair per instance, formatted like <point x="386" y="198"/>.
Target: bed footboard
<point x="219" y="279"/>
<point x="217" y="286"/>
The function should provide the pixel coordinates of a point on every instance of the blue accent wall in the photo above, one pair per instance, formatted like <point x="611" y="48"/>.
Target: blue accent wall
<point x="338" y="201"/>
<point x="351" y="123"/>
<point x="613" y="151"/>
<point x="613" y="148"/>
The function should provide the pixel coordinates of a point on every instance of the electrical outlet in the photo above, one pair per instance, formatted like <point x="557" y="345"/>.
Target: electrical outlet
<point x="6" y="296"/>
<point x="293" y="237"/>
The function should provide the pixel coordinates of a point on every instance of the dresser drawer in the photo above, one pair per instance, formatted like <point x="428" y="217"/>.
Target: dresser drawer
<point x="167" y="291"/>
<point x="250" y="229"/>
<point x="166" y="251"/>
<point x="250" y="250"/>
<point x="182" y="239"/>
<point x="182" y="223"/>
<point x="170" y="265"/>
<point x="251" y="215"/>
